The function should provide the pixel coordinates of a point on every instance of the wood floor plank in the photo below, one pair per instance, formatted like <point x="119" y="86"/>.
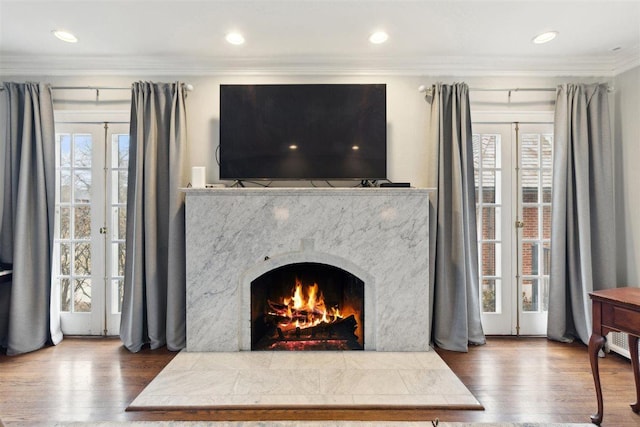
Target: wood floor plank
<point x="516" y="379"/>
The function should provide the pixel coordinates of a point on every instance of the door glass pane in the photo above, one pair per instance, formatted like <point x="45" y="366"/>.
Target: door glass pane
<point x="530" y="151"/>
<point x="65" y="223"/>
<point x="529" y="258"/>
<point x="65" y="150"/>
<point x="547" y="151"/>
<point x="123" y="151"/>
<point x="530" y="186"/>
<point x="82" y="222"/>
<point x="530" y="218"/>
<point x="82" y="186"/>
<point x="65" y="295"/>
<point x="530" y="295"/>
<point x="546" y="186"/>
<point x="82" y="259"/>
<point x="489" y="296"/>
<point x="64" y="189"/>
<point x="82" y="295"/>
<point x="82" y="151"/>
<point x="65" y="259"/>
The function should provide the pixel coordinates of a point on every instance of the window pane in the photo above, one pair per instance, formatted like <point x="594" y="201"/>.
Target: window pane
<point x="529" y="259"/>
<point x="547" y="151"/>
<point x="123" y="151"/>
<point x="65" y="186"/>
<point x="545" y="294"/>
<point x="82" y="222"/>
<point x="530" y="218"/>
<point x="82" y="259"/>
<point x="65" y="151"/>
<point x="65" y="295"/>
<point x="476" y="138"/>
<point x="546" y="186"/>
<point x="82" y="295"/>
<point x="65" y="259"/>
<point x="82" y="186"/>
<point x="489" y="151"/>
<point x="122" y="186"/>
<point x="118" y="288"/>
<point x="82" y="151"/>
<point x="65" y="223"/>
<point x="530" y="295"/>
<point x="546" y="222"/>
<point x="490" y="222"/>
<point x="491" y="253"/>
<point x="121" y="258"/>
<point x="489" y="186"/>
<point x="530" y="184"/>
<point x="489" y="296"/>
<point x="530" y="150"/>
<point x="546" y="258"/>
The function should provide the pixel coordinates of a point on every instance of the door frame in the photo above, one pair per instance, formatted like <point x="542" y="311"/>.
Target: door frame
<point x="103" y="320"/>
<point x="509" y="322"/>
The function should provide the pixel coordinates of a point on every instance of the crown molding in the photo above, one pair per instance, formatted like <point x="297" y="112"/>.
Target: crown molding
<point x="627" y="60"/>
<point x="312" y="65"/>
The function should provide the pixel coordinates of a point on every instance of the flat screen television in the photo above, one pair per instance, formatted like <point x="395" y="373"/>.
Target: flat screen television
<point x="303" y="132"/>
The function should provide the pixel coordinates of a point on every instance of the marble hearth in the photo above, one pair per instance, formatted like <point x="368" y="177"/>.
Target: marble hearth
<point x="380" y="235"/>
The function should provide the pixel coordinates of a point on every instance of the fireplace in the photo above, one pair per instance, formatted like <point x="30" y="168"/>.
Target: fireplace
<point x="239" y="240"/>
<point x="307" y="306"/>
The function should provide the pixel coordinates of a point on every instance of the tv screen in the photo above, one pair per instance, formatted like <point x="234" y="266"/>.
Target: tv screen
<point x="308" y="131"/>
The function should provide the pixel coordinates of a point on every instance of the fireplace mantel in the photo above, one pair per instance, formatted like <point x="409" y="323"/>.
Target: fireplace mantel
<point x="380" y="234"/>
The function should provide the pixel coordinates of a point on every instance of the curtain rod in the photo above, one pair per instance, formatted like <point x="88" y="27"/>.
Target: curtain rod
<point x="187" y="86"/>
<point x="424" y="89"/>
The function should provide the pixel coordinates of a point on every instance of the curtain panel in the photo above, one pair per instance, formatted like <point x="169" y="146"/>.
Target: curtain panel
<point x="28" y="317"/>
<point x="454" y="247"/>
<point x="582" y="220"/>
<point x="153" y="309"/>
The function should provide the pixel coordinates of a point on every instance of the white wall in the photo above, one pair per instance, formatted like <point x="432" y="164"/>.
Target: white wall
<point x="627" y="142"/>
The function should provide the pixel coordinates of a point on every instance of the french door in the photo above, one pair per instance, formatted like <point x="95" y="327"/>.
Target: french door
<point x="89" y="249"/>
<point x="513" y="165"/>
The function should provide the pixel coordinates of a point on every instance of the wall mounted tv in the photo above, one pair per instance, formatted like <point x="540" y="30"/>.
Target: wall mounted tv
<point x="303" y="132"/>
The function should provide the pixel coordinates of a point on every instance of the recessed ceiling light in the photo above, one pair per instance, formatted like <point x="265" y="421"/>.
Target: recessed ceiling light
<point x="65" y="36"/>
<point x="235" y="38"/>
<point x="355" y="148"/>
<point x="378" y="37"/>
<point x="545" y="37"/>
<point x="293" y="147"/>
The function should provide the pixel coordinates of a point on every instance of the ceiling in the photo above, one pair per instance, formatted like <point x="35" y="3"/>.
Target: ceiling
<point x="451" y="37"/>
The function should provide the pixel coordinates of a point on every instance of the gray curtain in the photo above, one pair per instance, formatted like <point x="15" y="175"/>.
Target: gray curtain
<point x="27" y="206"/>
<point x="153" y="309"/>
<point x="582" y="219"/>
<point x="454" y="249"/>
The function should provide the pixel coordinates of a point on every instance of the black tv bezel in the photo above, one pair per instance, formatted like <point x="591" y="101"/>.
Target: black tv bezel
<point x="321" y="178"/>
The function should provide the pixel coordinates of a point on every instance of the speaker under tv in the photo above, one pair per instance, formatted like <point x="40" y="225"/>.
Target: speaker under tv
<point x="303" y="132"/>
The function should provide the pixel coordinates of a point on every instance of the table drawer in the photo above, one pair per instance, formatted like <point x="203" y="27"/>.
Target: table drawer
<point x="621" y="318"/>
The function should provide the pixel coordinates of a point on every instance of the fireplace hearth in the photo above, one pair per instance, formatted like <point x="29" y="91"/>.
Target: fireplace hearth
<point x="307" y="306"/>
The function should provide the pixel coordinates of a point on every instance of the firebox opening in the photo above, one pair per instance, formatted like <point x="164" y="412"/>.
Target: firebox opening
<point x="307" y="306"/>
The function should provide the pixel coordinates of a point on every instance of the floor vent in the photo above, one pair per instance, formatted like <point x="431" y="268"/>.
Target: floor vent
<point x="619" y="342"/>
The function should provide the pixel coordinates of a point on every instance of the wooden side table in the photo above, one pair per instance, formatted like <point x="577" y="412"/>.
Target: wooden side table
<point x="615" y="310"/>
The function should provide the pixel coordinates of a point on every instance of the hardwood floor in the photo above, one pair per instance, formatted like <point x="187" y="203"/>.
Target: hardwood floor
<point x="516" y="379"/>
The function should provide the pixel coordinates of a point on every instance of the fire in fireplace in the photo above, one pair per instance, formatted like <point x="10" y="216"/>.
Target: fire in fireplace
<point x="307" y="306"/>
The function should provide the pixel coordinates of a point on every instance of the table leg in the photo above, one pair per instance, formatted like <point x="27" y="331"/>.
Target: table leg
<point x="635" y="364"/>
<point x="596" y="342"/>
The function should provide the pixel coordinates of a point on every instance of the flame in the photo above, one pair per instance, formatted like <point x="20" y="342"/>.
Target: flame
<point x="306" y="307"/>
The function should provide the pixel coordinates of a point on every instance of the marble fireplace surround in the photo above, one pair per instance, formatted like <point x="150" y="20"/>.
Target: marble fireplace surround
<point x="234" y="235"/>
